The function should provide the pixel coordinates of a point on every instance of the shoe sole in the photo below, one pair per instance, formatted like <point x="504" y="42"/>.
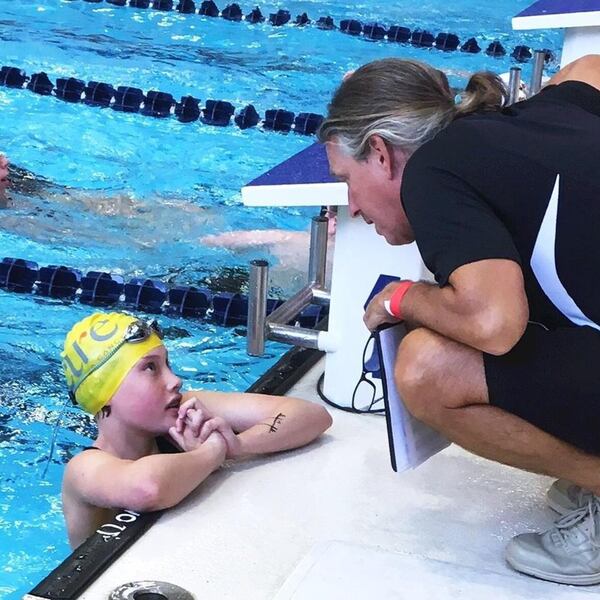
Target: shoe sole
<point x="566" y="579"/>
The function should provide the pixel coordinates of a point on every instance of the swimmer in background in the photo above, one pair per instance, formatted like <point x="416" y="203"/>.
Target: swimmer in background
<point x="155" y="443"/>
<point x="18" y="180"/>
<point x="48" y="213"/>
<point x="4" y="181"/>
<point x="290" y="248"/>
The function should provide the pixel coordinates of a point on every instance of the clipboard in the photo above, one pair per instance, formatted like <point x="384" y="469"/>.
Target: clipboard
<point x="411" y="442"/>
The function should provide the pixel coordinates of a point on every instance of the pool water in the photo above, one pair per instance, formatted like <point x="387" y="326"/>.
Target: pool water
<point x="133" y="195"/>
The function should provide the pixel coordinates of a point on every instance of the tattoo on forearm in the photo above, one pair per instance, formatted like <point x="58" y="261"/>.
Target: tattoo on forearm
<point x="105" y="412"/>
<point x="275" y="423"/>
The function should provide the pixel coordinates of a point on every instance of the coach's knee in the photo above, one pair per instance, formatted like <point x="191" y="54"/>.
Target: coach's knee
<point x="418" y="371"/>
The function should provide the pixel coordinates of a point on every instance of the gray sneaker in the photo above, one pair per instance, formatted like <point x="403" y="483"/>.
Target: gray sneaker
<point x="565" y="497"/>
<point x="567" y="553"/>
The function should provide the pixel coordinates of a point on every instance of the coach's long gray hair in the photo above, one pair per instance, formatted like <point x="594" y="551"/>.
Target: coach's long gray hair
<point x="406" y="102"/>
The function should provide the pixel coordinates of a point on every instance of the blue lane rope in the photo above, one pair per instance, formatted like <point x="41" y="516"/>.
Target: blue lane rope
<point x="159" y="104"/>
<point x="97" y="288"/>
<point x="373" y="31"/>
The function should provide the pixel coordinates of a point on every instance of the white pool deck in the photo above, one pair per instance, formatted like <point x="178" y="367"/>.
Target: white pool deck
<point x="332" y="521"/>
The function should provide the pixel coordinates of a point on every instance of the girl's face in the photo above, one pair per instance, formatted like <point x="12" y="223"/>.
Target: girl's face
<point x="148" y="398"/>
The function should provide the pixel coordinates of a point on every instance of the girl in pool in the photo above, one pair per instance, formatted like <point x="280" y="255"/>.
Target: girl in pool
<point x="155" y="443"/>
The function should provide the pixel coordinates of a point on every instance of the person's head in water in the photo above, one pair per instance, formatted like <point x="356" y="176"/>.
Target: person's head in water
<point x="116" y="365"/>
<point x="378" y="117"/>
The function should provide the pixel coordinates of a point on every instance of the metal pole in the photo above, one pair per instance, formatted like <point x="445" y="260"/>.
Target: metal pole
<point x="513" y="85"/>
<point x="321" y="297"/>
<point x="257" y="307"/>
<point x="539" y="57"/>
<point x="318" y="251"/>
<point x="291" y="307"/>
<point x="298" y="336"/>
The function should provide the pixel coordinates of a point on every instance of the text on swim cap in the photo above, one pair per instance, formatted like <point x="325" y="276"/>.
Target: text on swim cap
<point x="97" y="335"/>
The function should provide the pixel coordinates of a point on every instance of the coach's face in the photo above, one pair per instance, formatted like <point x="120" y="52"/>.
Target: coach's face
<point x="374" y="187"/>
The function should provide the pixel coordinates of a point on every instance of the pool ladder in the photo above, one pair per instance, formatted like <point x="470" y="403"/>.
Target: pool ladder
<point x="276" y="326"/>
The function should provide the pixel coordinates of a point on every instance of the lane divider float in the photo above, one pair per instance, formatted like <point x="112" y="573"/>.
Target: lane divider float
<point x="98" y="288"/>
<point x="373" y="31"/>
<point x="159" y="104"/>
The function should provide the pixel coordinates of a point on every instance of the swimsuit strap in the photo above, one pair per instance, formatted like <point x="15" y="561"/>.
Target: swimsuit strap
<point x="165" y="446"/>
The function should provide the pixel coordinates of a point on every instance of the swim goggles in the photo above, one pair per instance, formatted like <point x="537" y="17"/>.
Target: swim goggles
<point x="137" y="331"/>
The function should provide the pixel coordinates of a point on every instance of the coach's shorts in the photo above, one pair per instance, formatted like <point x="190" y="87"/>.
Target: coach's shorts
<point x="552" y="380"/>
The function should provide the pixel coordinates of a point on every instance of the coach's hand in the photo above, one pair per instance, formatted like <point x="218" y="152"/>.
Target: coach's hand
<point x="376" y="314"/>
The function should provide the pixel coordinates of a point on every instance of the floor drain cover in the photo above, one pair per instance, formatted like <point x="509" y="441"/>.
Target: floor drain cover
<point x="150" y="590"/>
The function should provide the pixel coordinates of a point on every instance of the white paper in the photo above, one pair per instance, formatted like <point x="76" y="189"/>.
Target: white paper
<point x="411" y="441"/>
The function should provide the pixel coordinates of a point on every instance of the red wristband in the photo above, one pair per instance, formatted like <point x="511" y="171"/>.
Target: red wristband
<point x="397" y="297"/>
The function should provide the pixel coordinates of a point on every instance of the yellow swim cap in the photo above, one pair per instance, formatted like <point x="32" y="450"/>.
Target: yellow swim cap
<point x="99" y="352"/>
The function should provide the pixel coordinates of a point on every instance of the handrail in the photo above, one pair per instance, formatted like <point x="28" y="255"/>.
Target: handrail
<point x="276" y="326"/>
